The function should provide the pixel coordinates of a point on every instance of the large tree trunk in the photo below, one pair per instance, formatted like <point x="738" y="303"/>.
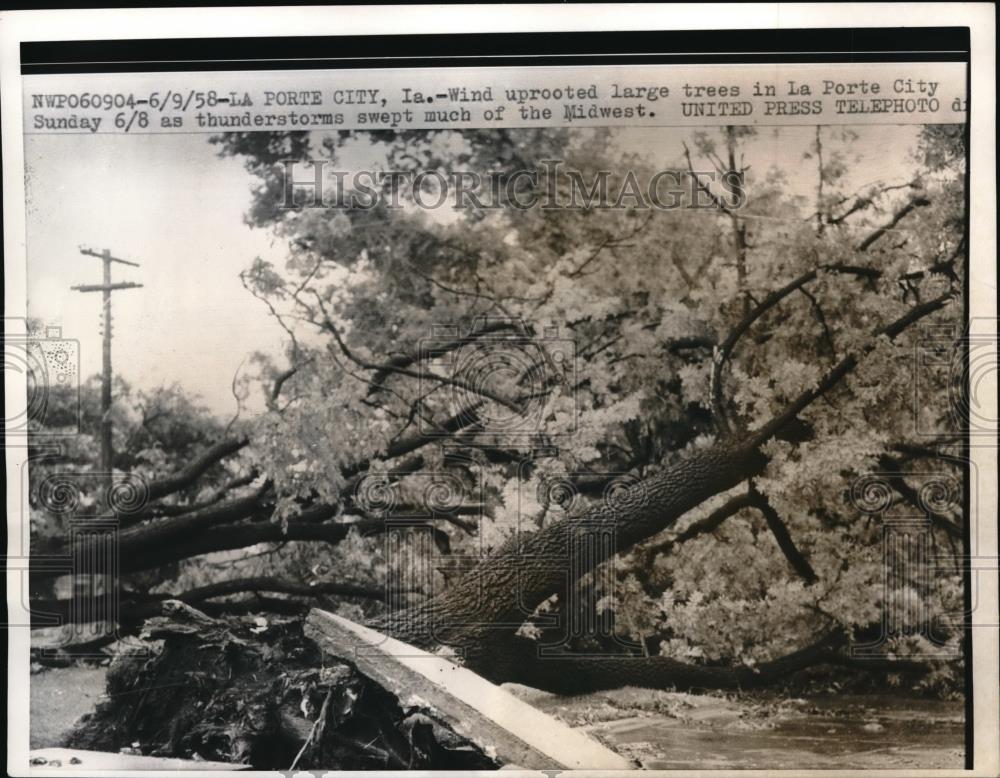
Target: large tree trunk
<point x="479" y="614"/>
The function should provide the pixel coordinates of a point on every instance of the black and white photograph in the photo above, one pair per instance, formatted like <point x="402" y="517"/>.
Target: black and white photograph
<point x="596" y="414"/>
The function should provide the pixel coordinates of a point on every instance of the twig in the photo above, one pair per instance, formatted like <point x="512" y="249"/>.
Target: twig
<point x="312" y="732"/>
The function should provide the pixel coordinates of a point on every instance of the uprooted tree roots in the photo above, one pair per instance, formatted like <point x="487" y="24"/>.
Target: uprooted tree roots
<point x="261" y="694"/>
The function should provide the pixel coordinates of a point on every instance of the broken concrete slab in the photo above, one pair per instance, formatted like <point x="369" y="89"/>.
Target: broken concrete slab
<point x="489" y="716"/>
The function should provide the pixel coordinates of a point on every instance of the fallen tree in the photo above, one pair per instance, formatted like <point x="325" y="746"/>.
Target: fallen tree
<point x="342" y="420"/>
<point x="478" y="615"/>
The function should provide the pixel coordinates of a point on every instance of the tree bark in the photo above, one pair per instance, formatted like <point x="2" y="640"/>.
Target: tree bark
<point x="487" y="605"/>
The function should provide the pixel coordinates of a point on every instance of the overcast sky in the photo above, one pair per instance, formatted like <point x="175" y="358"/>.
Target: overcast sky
<point x="171" y="204"/>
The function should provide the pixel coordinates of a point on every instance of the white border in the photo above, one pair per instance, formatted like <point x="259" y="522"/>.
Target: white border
<point x="19" y="26"/>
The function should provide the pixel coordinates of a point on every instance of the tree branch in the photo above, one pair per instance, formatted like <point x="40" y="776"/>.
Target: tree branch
<point x="575" y="675"/>
<point x="196" y="468"/>
<point x="191" y="523"/>
<point x="915" y="202"/>
<point x="403" y="361"/>
<point x="463" y="420"/>
<point x="783" y="538"/>
<point x="132" y="611"/>
<point x="165" y="510"/>
<point x="458" y="383"/>
<point x="648" y="552"/>
<point x="845" y="366"/>
<point x="722" y="354"/>
<point x="898" y="481"/>
<point x="233" y="536"/>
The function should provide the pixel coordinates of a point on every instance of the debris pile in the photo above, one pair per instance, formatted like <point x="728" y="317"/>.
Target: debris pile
<point x="259" y="692"/>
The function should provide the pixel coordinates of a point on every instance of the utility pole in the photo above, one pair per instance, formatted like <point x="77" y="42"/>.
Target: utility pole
<point x="106" y="288"/>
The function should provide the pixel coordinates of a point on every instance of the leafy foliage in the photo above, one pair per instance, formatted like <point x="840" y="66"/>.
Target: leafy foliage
<point x="560" y="354"/>
<point x="643" y="297"/>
